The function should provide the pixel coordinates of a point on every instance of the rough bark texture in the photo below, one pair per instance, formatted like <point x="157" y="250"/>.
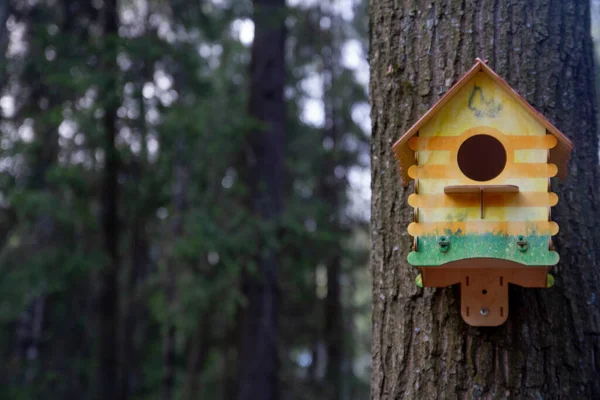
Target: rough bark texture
<point x="550" y="346"/>
<point x="258" y="357"/>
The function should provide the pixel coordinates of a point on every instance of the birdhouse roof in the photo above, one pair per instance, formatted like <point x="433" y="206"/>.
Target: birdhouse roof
<point x="559" y="155"/>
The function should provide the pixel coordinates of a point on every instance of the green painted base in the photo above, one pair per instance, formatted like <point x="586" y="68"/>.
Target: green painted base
<point x="485" y="246"/>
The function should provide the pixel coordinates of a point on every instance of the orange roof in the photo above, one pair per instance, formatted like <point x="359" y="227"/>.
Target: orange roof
<point x="559" y="155"/>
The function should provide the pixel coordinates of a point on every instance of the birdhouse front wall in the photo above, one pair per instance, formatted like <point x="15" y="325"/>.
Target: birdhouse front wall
<point x="488" y="224"/>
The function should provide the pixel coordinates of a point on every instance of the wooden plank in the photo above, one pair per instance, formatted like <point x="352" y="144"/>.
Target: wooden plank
<point x="475" y="246"/>
<point x="466" y="214"/>
<point x="452" y="143"/>
<point x="541" y="228"/>
<point x="500" y="188"/>
<point x="484" y="263"/>
<point x="465" y="189"/>
<point x="436" y="186"/>
<point x="521" y="170"/>
<point x="520" y="199"/>
<point x="484" y="291"/>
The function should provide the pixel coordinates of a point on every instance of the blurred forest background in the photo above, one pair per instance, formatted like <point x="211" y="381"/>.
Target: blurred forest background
<point x="132" y="258"/>
<point x="154" y="231"/>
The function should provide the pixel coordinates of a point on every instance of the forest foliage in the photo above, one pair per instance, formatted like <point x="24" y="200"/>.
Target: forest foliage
<point x="125" y="225"/>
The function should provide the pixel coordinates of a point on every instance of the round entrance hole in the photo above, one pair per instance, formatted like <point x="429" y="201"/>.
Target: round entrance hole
<point x="481" y="158"/>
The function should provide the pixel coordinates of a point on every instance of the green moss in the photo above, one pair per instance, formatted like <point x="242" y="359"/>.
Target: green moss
<point x="483" y="246"/>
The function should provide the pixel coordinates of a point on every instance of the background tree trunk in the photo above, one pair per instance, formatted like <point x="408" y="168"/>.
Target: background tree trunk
<point x="258" y="378"/>
<point x="180" y="201"/>
<point x="4" y="11"/>
<point x="550" y="345"/>
<point x="134" y="307"/>
<point x="198" y="349"/>
<point x="331" y="191"/>
<point x="108" y="303"/>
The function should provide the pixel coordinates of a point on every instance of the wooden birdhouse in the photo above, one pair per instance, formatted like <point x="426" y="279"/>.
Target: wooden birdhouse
<point x="482" y="159"/>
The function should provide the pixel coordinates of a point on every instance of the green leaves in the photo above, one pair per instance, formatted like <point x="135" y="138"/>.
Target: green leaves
<point x="178" y="85"/>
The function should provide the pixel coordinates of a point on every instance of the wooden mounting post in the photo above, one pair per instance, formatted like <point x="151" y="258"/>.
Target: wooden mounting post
<point x="484" y="289"/>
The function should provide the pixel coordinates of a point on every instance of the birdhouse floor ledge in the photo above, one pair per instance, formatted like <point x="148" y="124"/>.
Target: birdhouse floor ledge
<point x="458" y="189"/>
<point x="481" y="189"/>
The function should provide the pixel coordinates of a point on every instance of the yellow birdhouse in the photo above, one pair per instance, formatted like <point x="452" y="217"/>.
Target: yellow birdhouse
<point x="482" y="159"/>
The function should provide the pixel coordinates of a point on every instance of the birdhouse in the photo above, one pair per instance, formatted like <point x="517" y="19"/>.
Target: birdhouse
<point x="481" y="159"/>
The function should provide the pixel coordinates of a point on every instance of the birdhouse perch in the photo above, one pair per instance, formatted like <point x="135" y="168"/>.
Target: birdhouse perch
<point x="482" y="159"/>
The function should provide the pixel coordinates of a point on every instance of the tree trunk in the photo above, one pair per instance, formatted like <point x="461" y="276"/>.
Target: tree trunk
<point x="4" y="11"/>
<point x="331" y="189"/>
<point x="134" y="307"/>
<point x="180" y="201"/>
<point x="134" y="301"/>
<point x="258" y="378"/>
<point x="108" y="301"/>
<point x="198" y="350"/>
<point x="550" y="345"/>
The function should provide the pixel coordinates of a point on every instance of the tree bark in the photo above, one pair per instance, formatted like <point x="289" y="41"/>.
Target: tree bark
<point x="259" y="361"/>
<point x="108" y="299"/>
<point x="550" y="345"/>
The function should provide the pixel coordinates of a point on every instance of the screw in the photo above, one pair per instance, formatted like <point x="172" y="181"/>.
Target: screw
<point x="522" y="244"/>
<point x="444" y="244"/>
<point x="484" y="311"/>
